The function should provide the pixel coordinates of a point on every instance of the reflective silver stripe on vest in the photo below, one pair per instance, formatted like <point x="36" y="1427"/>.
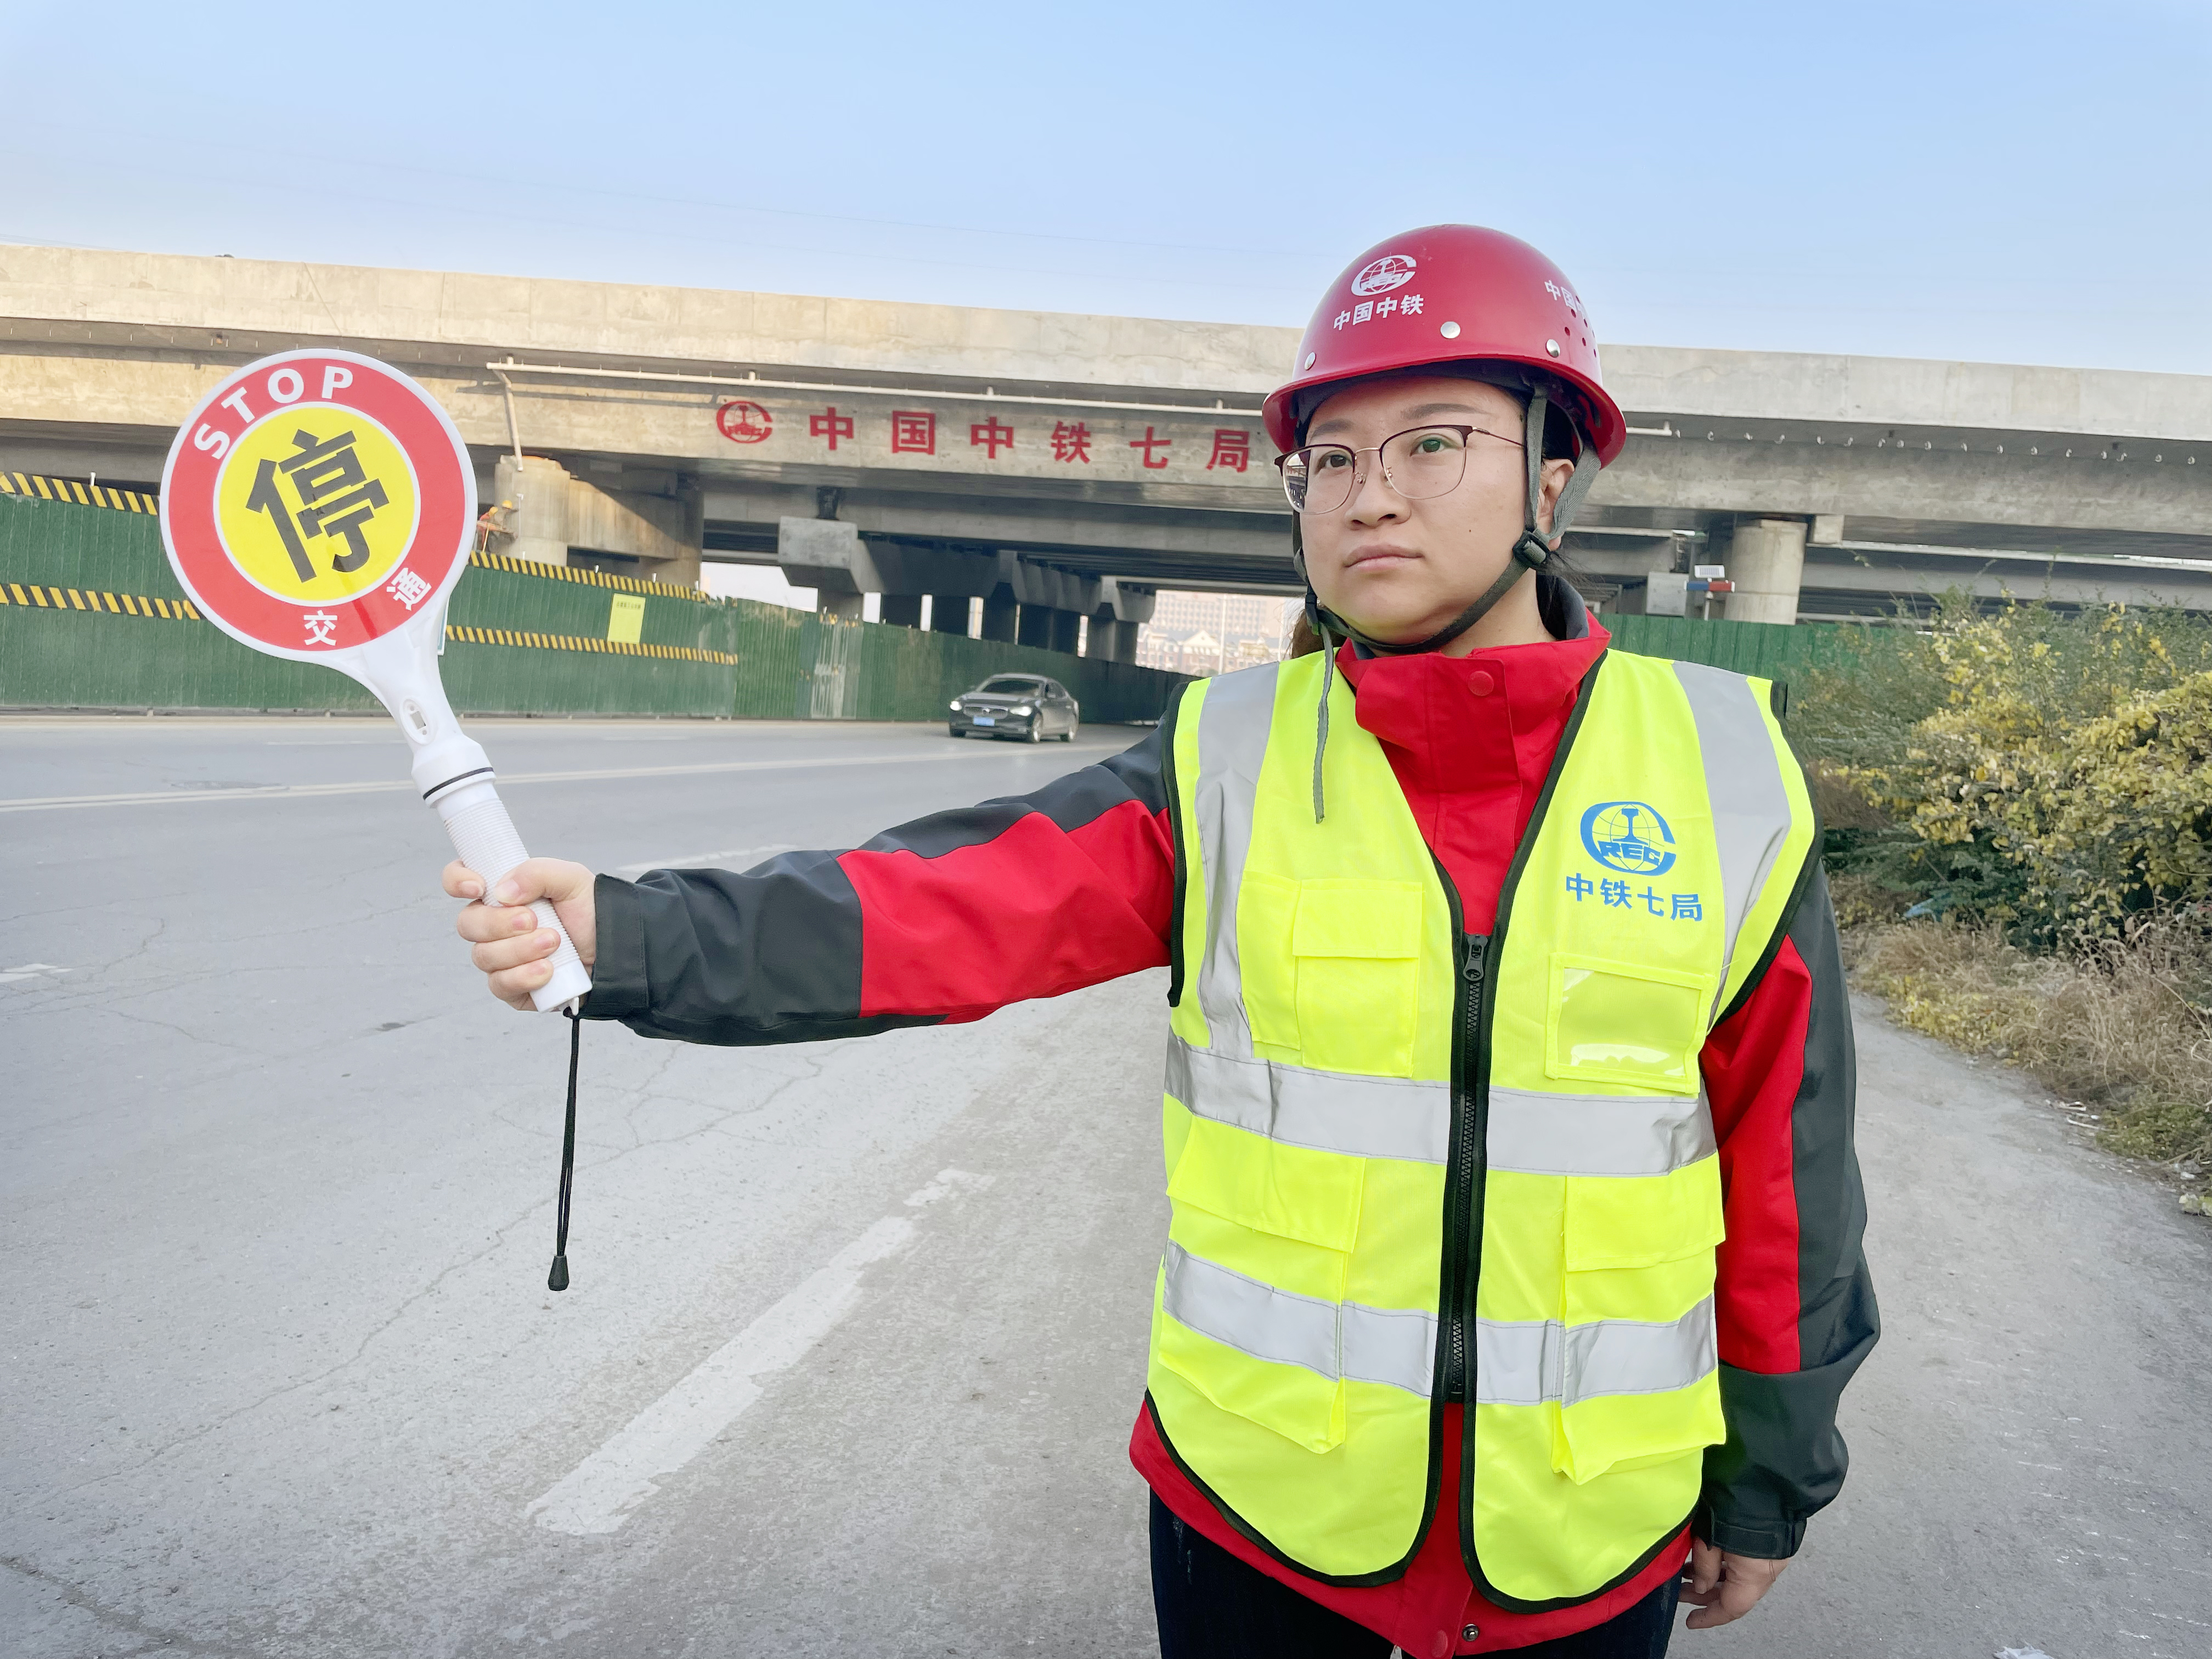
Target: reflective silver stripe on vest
<point x="1527" y="1363"/>
<point x="1596" y="1134"/>
<point x="1329" y="1111"/>
<point x="1233" y="722"/>
<point x="1743" y="784"/>
<point x="1397" y="1348"/>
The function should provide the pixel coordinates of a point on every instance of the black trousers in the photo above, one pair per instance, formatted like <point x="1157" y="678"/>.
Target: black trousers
<point x="1213" y="1606"/>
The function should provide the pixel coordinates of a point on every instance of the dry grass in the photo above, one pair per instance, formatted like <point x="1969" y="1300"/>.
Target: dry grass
<point x="2124" y="1028"/>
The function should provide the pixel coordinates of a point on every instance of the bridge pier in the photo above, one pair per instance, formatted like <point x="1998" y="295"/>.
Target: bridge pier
<point x="1000" y="612"/>
<point x="948" y="614"/>
<point x="1766" y="568"/>
<point x="902" y="608"/>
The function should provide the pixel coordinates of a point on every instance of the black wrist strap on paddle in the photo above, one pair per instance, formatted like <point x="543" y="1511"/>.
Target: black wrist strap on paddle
<point x="558" y="1278"/>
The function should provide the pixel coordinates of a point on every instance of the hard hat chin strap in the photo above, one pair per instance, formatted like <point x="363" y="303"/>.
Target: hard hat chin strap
<point x="1529" y="553"/>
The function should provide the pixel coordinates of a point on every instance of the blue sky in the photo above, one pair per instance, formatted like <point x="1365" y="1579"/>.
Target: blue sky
<point x="2027" y="182"/>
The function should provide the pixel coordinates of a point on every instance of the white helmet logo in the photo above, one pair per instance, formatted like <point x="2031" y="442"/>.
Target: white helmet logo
<point x="1381" y="276"/>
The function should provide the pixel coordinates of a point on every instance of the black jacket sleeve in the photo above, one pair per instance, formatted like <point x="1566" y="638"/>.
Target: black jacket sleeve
<point x="1784" y="1458"/>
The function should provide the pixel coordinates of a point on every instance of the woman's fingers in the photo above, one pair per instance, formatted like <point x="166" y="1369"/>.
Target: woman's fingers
<point x="461" y="881"/>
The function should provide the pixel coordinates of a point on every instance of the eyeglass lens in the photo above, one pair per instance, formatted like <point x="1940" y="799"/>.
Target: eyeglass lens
<point x="1427" y="461"/>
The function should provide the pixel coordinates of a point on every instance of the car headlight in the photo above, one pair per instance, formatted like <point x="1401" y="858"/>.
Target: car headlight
<point x="1024" y="709"/>
<point x="956" y="705"/>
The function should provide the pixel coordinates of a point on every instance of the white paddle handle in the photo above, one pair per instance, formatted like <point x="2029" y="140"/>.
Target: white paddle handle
<point x="485" y="838"/>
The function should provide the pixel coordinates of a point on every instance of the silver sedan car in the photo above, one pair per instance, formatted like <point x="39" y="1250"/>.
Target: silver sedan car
<point x="1025" y="706"/>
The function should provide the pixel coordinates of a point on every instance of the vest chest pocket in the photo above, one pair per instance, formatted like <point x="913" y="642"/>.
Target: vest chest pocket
<point x="1331" y="970"/>
<point x="1258" y="1251"/>
<point x="1619" y="1022"/>
<point x="1639" y="1388"/>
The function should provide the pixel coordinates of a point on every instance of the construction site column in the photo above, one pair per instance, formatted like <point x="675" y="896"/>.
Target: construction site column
<point x="904" y="609"/>
<point x="948" y="614"/>
<point x="1765" y="568"/>
<point x="1066" y="630"/>
<point x="1000" y="610"/>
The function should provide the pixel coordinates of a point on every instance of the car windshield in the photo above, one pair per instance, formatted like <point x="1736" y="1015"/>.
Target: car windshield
<point x="1009" y="688"/>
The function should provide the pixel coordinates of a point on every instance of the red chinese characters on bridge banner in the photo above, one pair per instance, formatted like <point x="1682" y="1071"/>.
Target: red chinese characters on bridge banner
<point x="914" y="432"/>
<point x="1232" y="447"/>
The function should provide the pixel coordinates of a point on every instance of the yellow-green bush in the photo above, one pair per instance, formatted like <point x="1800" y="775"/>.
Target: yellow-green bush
<point x="2062" y="785"/>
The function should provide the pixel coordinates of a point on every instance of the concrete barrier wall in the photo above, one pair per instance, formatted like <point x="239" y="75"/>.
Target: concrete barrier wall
<point x="94" y="618"/>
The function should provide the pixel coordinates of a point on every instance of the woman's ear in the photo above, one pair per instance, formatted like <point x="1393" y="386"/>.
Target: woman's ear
<point x="1553" y="479"/>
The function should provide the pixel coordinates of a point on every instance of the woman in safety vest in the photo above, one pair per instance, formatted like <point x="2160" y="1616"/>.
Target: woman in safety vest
<point x="1515" y="1260"/>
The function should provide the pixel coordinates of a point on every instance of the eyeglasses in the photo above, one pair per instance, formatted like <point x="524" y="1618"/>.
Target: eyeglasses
<point x="1421" y="462"/>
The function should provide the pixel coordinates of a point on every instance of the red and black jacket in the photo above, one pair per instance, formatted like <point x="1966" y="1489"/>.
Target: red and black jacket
<point x="958" y="914"/>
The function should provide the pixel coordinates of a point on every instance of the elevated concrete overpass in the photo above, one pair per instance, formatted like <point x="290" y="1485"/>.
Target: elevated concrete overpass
<point x="1060" y="466"/>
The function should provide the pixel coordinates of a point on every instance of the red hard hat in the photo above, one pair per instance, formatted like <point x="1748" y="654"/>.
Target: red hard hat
<point x="1452" y="294"/>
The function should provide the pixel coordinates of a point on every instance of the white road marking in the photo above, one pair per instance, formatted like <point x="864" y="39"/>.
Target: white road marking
<point x="705" y="861"/>
<point x="155" y="797"/>
<point x="29" y="971"/>
<point x="600" y="1492"/>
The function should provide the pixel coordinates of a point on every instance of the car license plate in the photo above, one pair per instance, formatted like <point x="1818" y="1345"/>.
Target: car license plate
<point x="985" y="720"/>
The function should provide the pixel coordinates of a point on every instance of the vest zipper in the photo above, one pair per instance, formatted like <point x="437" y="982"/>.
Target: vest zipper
<point x="1465" y="1203"/>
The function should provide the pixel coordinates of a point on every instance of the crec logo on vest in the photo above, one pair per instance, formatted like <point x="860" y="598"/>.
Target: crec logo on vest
<point x="1629" y="835"/>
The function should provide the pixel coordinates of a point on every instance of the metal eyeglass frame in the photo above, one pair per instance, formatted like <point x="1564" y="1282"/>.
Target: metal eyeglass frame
<point x="1282" y="461"/>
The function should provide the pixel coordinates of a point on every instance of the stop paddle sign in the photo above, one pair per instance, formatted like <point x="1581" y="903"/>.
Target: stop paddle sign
<point x="318" y="505"/>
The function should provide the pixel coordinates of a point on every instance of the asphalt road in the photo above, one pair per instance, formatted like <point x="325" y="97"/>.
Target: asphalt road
<point x="857" y="1330"/>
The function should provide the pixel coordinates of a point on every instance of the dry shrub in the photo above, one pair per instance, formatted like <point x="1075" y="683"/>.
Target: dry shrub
<point x="2123" y="1025"/>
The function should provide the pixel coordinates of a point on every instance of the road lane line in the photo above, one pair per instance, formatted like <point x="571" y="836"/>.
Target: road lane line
<point x="264" y="792"/>
<point x="600" y="1492"/>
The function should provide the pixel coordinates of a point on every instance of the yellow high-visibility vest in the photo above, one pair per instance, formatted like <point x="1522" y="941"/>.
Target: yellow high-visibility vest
<point x="1408" y="1167"/>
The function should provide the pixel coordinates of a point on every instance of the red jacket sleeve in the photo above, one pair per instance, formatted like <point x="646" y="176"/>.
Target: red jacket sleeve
<point x="1795" y="1310"/>
<point x="941" y="919"/>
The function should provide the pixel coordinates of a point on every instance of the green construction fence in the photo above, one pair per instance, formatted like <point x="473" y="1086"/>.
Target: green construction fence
<point x="93" y="617"/>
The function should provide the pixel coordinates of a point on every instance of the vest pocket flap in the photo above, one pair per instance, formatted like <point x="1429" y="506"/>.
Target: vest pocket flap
<point x="1303" y="1406"/>
<point x="1357" y="918"/>
<point x="1640" y="1221"/>
<point x="1289" y="1191"/>
<point x="1619" y="1022"/>
<point x="1615" y="1433"/>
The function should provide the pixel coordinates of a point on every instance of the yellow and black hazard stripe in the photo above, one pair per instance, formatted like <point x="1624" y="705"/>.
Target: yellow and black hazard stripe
<point x="114" y="604"/>
<point x="567" y="573"/>
<point x="82" y="495"/>
<point x="528" y="641"/>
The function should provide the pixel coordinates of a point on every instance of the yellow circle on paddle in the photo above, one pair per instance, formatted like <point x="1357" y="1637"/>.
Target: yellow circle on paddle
<point x="315" y="503"/>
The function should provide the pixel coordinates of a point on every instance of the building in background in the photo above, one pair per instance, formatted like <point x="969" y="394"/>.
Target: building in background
<point x="1214" y="633"/>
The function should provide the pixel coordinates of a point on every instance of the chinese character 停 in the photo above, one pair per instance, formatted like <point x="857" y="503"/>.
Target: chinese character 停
<point x="410" y="589"/>
<point x="914" y="432"/>
<point x="1231" y="448"/>
<point x="829" y="424"/>
<point x="1688" y="907"/>
<point x="337" y="498"/>
<point x="1579" y="885"/>
<point x="1071" y="443"/>
<point x="319" y="626"/>
<point x="1615" y="894"/>
<point x="990" y="436"/>
<point x="1148" y="444"/>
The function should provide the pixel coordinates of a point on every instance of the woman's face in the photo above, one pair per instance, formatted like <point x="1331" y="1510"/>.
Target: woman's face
<point x="1400" y="569"/>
